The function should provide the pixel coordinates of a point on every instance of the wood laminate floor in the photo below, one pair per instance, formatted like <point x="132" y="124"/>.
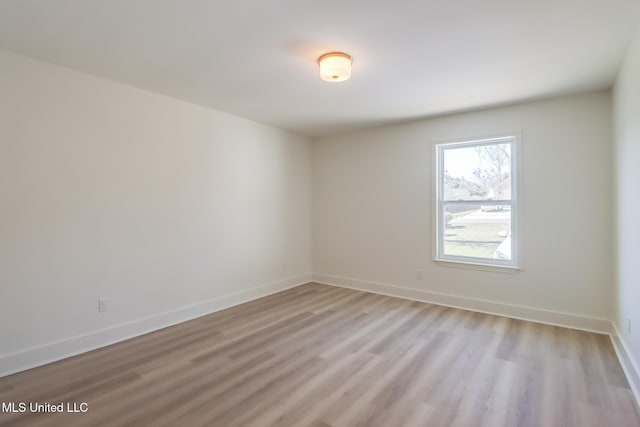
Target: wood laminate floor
<point x="323" y="356"/>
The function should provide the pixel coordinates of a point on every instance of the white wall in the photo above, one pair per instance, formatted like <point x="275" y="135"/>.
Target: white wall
<point x="372" y="211"/>
<point x="627" y="181"/>
<point x="167" y="209"/>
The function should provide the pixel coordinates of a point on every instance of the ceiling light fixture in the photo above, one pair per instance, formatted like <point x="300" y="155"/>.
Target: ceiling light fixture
<point x="335" y="66"/>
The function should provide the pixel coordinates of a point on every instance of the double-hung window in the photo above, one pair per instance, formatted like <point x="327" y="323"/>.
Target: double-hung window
<point x="476" y="202"/>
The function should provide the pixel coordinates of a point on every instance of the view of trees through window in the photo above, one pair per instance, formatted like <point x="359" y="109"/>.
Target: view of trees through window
<point x="475" y="200"/>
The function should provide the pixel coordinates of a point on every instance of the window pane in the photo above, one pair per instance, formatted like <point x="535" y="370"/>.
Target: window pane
<point x="478" y="231"/>
<point x="481" y="172"/>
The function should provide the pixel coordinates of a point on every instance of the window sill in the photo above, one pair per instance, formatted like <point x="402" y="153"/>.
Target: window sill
<point x="467" y="265"/>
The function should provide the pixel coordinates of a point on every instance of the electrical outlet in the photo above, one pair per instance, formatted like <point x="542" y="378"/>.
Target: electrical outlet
<point x="102" y="305"/>
<point x="419" y="274"/>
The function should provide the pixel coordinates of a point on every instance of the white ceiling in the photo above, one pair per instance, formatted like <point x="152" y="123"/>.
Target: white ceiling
<point x="257" y="58"/>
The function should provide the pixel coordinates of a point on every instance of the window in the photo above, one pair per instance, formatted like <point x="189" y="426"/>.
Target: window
<point x="476" y="202"/>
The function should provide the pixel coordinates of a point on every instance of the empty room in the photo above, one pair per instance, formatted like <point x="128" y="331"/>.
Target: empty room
<point x="320" y="214"/>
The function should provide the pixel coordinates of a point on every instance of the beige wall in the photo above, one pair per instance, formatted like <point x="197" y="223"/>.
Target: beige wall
<point x="165" y="208"/>
<point x="372" y="211"/>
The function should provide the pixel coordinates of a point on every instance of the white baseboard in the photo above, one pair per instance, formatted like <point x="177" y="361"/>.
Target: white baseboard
<point x="30" y="358"/>
<point x="556" y="318"/>
<point x="628" y="363"/>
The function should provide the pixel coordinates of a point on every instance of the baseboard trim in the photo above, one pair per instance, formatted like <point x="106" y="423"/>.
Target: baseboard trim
<point x="629" y="366"/>
<point x="574" y="321"/>
<point x="37" y="356"/>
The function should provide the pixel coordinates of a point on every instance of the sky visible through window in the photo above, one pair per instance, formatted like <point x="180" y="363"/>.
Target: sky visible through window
<point x="461" y="162"/>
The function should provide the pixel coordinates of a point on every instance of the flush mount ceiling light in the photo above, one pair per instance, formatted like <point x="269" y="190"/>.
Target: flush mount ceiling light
<point x="335" y="66"/>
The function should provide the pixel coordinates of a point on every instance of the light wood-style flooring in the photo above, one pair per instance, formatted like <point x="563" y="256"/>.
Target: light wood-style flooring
<point x="323" y="356"/>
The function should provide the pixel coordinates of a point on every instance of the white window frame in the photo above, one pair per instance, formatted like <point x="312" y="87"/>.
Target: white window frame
<point x="439" y="203"/>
